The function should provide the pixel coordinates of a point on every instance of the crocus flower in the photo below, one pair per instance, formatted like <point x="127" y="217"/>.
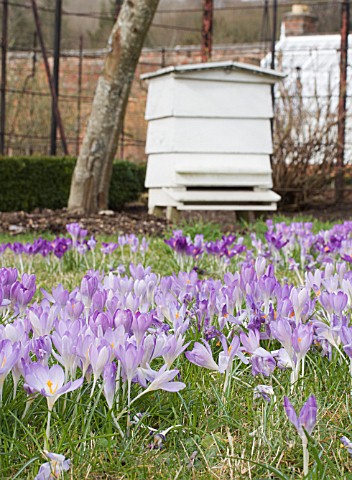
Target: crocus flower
<point x="202" y="356"/>
<point x="76" y="232"/>
<point x="49" y="382"/>
<point x="262" y="362"/>
<point x="89" y="286"/>
<point x="92" y="243"/>
<point x="9" y="354"/>
<point x="173" y="347"/>
<point x="130" y="357"/>
<point x="21" y="295"/>
<point x="42" y="348"/>
<point x="59" y="295"/>
<point x="307" y="416"/>
<point x="41" y="320"/>
<point x="3" y="301"/>
<point x="108" y="248"/>
<point x="61" y="246"/>
<point x="99" y="357"/>
<point x="109" y="378"/>
<point x="163" y="381"/>
<point x="347" y="443"/>
<point x="228" y="354"/>
<point x="307" y="419"/>
<point x="54" y="468"/>
<point x="299" y="299"/>
<point x="302" y="338"/>
<point x="263" y="391"/>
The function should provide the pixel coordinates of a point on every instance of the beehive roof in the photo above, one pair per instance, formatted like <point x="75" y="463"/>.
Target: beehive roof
<point x="228" y="66"/>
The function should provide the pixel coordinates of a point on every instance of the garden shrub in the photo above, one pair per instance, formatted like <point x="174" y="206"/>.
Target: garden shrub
<point x="305" y="150"/>
<point x="27" y="183"/>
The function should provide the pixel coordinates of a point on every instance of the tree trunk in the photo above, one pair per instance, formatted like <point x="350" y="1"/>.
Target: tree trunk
<point x="91" y="177"/>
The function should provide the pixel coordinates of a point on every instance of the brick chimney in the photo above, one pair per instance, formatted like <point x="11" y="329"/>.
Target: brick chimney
<point x="299" y="21"/>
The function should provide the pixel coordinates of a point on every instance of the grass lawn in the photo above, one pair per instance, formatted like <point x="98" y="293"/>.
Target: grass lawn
<point x="272" y="308"/>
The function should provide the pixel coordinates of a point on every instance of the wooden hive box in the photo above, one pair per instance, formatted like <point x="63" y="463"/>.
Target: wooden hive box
<point x="209" y="137"/>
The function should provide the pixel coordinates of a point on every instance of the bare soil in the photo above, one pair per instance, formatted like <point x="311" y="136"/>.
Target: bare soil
<point x="135" y="219"/>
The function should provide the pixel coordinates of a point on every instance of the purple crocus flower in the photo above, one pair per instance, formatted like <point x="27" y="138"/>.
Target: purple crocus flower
<point x="173" y="347"/>
<point x="9" y="354"/>
<point x="108" y="248"/>
<point x="82" y="248"/>
<point x="8" y="277"/>
<point x="81" y="349"/>
<point x="140" y="324"/>
<point x="92" y="243"/>
<point x="59" y="295"/>
<point x="109" y="379"/>
<point x="76" y="232"/>
<point x="31" y="248"/>
<point x="3" y="301"/>
<point x="333" y="302"/>
<point x="42" y="348"/>
<point x="162" y="380"/>
<point x="299" y="299"/>
<point x="251" y="341"/>
<point x="262" y="362"/>
<point x="202" y="356"/>
<point x="41" y="320"/>
<point x="302" y="338"/>
<point x="228" y="354"/>
<point x="276" y="241"/>
<point x="17" y="248"/>
<point x="3" y="247"/>
<point x="178" y="242"/>
<point x="21" y="293"/>
<point x="99" y="357"/>
<point x="307" y="416"/>
<point x="263" y="391"/>
<point x="65" y="344"/>
<point x="61" y="246"/>
<point x="130" y="357"/>
<point x="89" y="286"/>
<point x="54" y="468"/>
<point x="347" y="443"/>
<point x="73" y="309"/>
<point x="49" y="382"/>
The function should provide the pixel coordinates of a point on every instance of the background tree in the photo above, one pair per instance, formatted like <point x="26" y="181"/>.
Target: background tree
<point x="91" y="177"/>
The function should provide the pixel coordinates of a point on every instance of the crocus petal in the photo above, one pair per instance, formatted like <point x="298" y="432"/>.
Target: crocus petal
<point x="290" y="412"/>
<point x="70" y="386"/>
<point x="308" y="414"/>
<point x="173" y="386"/>
<point x="224" y="361"/>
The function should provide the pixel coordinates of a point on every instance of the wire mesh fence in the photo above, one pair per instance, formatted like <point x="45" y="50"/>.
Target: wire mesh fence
<point x="242" y="31"/>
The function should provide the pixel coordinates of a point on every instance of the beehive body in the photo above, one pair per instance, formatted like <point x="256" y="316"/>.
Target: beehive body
<point x="209" y="137"/>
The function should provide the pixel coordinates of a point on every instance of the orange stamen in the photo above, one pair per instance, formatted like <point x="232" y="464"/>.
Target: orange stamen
<point x="50" y="385"/>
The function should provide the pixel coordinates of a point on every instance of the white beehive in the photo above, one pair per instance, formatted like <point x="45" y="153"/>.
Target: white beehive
<point x="209" y="137"/>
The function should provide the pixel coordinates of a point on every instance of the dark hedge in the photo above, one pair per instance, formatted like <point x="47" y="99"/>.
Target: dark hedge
<point x="27" y="183"/>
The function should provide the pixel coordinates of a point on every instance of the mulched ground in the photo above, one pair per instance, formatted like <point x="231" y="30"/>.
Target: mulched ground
<point x="135" y="219"/>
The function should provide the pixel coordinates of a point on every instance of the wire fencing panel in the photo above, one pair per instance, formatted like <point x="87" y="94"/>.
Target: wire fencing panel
<point x="242" y="31"/>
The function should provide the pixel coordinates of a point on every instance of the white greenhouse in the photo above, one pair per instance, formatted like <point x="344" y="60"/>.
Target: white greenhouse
<point x="209" y="138"/>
